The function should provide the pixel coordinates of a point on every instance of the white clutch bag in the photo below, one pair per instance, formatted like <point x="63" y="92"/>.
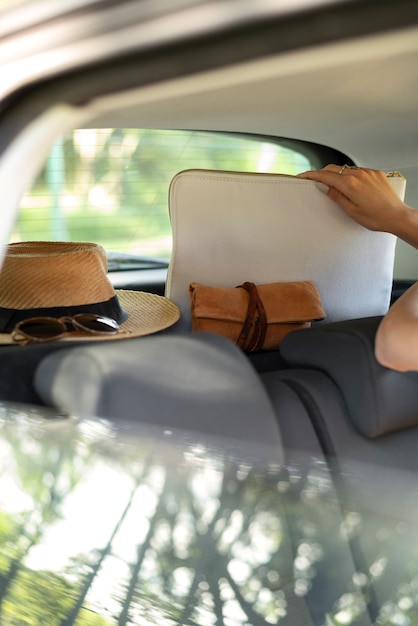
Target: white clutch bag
<point x="231" y="227"/>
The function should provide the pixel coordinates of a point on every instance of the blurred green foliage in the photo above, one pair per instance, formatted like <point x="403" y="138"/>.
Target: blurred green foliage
<point x="111" y="185"/>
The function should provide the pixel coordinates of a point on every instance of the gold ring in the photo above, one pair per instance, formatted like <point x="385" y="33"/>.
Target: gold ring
<point x="348" y="167"/>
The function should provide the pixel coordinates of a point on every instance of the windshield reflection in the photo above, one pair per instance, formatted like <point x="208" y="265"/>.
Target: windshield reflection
<point x="101" y="528"/>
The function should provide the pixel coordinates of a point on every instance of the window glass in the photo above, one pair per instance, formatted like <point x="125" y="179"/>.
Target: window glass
<point x="111" y="186"/>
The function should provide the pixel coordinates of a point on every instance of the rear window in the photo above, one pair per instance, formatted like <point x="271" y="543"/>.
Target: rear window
<point x="111" y="186"/>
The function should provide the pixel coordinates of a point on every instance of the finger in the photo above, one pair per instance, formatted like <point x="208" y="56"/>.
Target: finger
<point x="331" y="167"/>
<point x="340" y="199"/>
<point x="330" y="177"/>
<point x="334" y="168"/>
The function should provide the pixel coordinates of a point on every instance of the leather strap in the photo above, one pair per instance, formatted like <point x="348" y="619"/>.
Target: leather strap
<point x="254" y="328"/>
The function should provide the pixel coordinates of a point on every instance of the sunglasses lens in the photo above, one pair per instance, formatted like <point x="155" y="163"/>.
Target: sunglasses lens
<point x="39" y="328"/>
<point x="96" y="323"/>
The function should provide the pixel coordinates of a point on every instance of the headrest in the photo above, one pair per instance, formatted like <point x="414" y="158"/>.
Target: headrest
<point x="232" y="227"/>
<point x="378" y="400"/>
<point x="200" y="382"/>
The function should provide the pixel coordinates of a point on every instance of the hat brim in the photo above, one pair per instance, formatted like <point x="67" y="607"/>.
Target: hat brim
<point x="148" y="313"/>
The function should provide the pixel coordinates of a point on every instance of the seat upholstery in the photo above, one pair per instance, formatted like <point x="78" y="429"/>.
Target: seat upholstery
<point x="366" y="421"/>
<point x="17" y="369"/>
<point x="202" y="383"/>
<point x="199" y="382"/>
<point x="231" y="227"/>
<point x="378" y="400"/>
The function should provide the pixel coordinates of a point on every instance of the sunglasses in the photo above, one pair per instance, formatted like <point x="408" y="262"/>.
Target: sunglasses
<point x="40" y="329"/>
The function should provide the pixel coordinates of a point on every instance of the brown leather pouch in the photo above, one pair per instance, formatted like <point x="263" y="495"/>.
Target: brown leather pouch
<point x="255" y="317"/>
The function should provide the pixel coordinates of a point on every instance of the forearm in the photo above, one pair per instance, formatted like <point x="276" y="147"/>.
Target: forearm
<point x="396" y="344"/>
<point x="405" y="226"/>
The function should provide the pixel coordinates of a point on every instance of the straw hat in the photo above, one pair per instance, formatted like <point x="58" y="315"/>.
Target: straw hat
<point x="56" y="279"/>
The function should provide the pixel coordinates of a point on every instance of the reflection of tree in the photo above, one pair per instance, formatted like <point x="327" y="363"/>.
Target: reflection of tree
<point x="47" y="475"/>
<point x="204" y="559"/>
<point x="71" y="617"/>
<point x="216" y="549"/>
<point x="46" y="472"/>
<point x="211" y="541"/>
<point x="41" y="598"/>
<point x="141" y="552"/>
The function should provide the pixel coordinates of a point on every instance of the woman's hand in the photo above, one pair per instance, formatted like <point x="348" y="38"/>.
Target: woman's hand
<point x="367" y="197"/>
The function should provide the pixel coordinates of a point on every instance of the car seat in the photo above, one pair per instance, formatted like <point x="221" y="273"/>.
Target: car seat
<point x="204" y="387"/>
<point x="365" y="417"/>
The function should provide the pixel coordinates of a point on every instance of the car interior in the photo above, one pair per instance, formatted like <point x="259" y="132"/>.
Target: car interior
<point x="181" y="160"/>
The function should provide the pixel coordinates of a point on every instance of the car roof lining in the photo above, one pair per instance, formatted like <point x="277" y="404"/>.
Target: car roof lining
<point x="352" y="87"/>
